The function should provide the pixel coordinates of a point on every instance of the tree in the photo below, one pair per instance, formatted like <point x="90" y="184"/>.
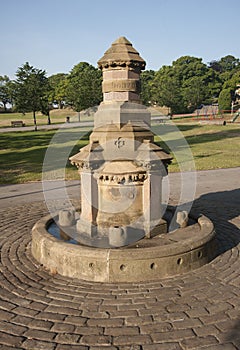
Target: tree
<point x="31" y="91"/>
<point x="225" y="100"/>
<point x="181" y="86"/>
<point x="216" y="66"/>
<point x="5" y="91"/>
<point x="233" y="82"/>
<point x="214" y="84"/>
<point x="185" y="85"/>
<point x="226" y="67"/>
<point x="58" y="85"/>
<point x="194" y="92"/>
<point x="229" y="94"/>
<point x="166" y="90"/>
<point x="146" y="79"/>
<point x="84" y="88"/>
<point x="226" y="63"/>
<point x="229" y="63"/>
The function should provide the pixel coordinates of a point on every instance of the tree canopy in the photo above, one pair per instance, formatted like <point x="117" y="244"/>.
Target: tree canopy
<point x="146" y="86"/>
<point x="31" y="90"/>
<point x="83" y="88"/>
<point x="182" y="86"/>
<point x="5" y="91"/>
<point x="226" y="63"/>
<point x="58" y="86"/>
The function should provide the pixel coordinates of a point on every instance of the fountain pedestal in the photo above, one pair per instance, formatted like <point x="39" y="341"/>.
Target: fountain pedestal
<point x="121" y="172"/>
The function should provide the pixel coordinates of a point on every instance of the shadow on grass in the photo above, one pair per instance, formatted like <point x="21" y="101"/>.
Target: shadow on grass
<point x="160" y="129"/>
<point x="21" y="140"/>
<point x="173" y="133"/>
<point x="23" y="154"/>
<point x="210" y="154"/>
<point x="187" y="127"/>
<point x="211" y="137"/>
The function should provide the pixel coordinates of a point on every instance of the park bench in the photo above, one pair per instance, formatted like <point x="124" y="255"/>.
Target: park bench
<point x="17" y="123"/>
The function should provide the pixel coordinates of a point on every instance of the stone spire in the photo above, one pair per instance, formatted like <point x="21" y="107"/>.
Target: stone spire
<point x="121" y="65"/>
<point x="121" y="169"/>
<point x="122" y="54"/>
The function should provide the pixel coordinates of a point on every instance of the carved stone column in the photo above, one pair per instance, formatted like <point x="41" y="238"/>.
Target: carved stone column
<point x="89" y="203"/>
<point x="152" y="204"/>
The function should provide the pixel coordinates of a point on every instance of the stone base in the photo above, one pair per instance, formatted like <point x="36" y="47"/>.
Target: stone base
<point x="147" y="260"/>
<point x="121" y="113"/>
<point x="108" y="237"/>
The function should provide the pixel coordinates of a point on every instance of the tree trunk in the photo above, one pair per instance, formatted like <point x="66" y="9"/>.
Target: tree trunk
<point x="48" y="116"/>
<point x="79" y="116"/>
<point x="34" y="120"/>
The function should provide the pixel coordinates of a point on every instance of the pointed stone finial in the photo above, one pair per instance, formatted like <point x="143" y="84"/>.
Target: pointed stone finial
<point x="122" y="54"/>
<point x="121" y="40"/>
<point x="121" y="66"/>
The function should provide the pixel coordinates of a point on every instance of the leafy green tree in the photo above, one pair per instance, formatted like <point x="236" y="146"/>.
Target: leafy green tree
<point x="58" y="85"/>
<point x="233" y="82"/>
<point x="84" y="88"/>
<point x="194" y="92"/>
<point x="186" y="84"/>
<point x="229" y="63"/>
<point x="216" y="66"/>
<point x="166" y="90"/>
<point x="228" y="94"/>
<point x="31" y="91"/>
<point x="5" y="91"/>
<point x="226" y="67"/>
<point x="61" y="92"/>
<point x="225" y="64"/>
<point x="214" y="84"/>
<point x="225" y="100"/>
<point x="146" y="79"/>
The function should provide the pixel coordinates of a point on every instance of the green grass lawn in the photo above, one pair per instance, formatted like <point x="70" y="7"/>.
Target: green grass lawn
<point x="22" y="153"/>
<point x="27" y="118"/>
<point x="212" y="146"/>
<point x="56" y="115"/>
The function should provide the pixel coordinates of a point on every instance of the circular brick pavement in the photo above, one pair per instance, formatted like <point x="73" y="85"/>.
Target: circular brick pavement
<point x="197" y="310"/>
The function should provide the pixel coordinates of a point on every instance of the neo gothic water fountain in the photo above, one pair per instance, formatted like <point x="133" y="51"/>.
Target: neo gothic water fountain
<point x="121" y="230"/>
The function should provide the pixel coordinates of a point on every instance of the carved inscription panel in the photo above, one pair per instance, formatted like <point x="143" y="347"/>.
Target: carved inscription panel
<point x="120" y="85"/>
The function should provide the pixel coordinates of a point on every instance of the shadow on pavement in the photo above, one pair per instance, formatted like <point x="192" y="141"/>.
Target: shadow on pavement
<point x="223" y="208"/>
<point x="234" y="335"/>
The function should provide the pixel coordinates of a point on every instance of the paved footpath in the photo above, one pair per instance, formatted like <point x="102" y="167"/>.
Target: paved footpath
<point x="197" y="310"/>
<point x="47" y="127"/>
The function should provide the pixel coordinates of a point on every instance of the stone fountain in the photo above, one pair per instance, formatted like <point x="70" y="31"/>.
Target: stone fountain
<point x="121" y="167"/>
<point x="122" y="231"/>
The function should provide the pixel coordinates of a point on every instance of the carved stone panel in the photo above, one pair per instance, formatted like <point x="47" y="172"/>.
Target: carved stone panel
<point x="120" y="85"/>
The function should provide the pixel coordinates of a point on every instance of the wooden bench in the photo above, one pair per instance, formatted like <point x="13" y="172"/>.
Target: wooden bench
<point x="17" y="123"/>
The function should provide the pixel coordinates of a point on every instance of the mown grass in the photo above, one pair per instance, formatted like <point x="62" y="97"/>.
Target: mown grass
<point x="22" y="153"/>
<point x="57" y="116"/>
<point x="212" y="146"/>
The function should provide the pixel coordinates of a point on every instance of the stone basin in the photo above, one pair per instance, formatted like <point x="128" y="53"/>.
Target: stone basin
<point x="149" y="259"/>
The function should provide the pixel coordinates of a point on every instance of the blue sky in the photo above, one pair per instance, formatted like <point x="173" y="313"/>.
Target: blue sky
<point x="54" y="35"/>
